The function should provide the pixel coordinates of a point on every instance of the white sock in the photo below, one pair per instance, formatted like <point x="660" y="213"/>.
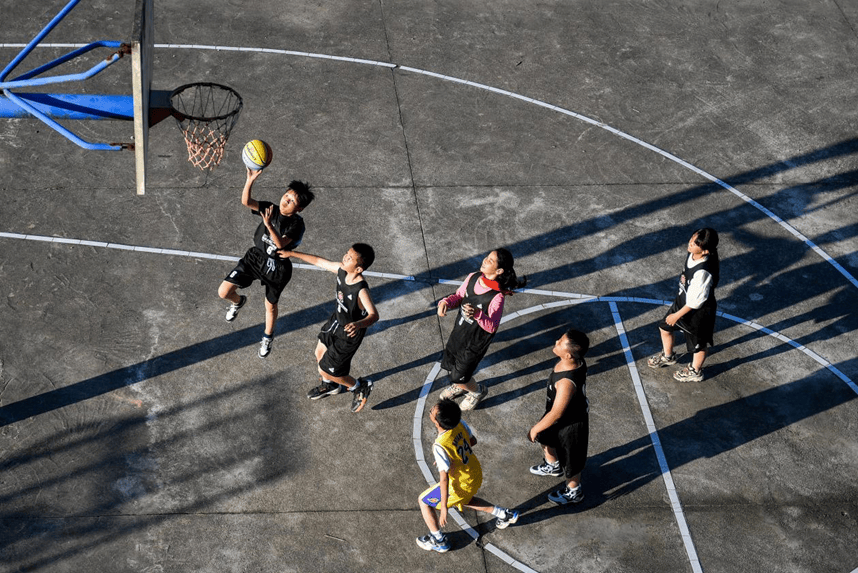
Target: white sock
<point x="499" y="511"/>
<point x="437" y="535"/>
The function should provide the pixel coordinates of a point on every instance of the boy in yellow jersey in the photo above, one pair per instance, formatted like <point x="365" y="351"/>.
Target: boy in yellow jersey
<point x="460" y="477"/>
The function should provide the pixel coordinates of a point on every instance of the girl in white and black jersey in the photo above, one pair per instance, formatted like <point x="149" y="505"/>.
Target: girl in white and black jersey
<point x="693" y="311"/>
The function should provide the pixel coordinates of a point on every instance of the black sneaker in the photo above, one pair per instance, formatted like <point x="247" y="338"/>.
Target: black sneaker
<point x="546" y="469"/>
<point x="233" y="309"/>
<point x="566" y="495"/>
<point x="361" y="394"/>
<point x="324" y="389"/>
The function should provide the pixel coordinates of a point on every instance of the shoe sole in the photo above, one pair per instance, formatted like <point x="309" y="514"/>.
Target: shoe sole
<point x="325" y="395"/>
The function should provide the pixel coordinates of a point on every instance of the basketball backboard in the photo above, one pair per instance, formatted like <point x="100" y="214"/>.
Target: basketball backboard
<point x="142" y="51"/>
<point x="205" y="120"/>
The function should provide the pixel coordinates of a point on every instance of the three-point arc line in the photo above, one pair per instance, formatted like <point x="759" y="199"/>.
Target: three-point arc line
<point x="596" y="123"/>
<point x="571" y="298"/>
<point x="568" y="299"/>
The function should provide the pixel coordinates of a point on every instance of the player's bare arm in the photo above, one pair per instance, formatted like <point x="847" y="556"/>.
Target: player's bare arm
<point x="246" y="199"/>
<point x="565" y="391"/>
<point x="444" y="483"/>
<point x="442" y="308"/>
<point x="365" y="302"/>
<point x="313" y="260"/>
<point x="280" y="241"/>
<point x="672" y="319"/>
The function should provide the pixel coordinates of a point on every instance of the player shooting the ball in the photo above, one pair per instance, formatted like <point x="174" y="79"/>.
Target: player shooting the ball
<point x="281" y="227"/>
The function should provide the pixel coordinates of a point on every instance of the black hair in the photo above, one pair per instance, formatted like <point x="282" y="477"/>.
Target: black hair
<point x="366" y="254"/>
<point x="507" y="279"/>
<point x="578" y="344"/>
<point x="447" y="414"/>
<point x="707" y="239"/>
<point x="302" y="190"/>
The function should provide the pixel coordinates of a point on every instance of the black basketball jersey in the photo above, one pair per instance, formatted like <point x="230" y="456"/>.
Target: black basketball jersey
<point x="291" y="227"/>
<point x="579" y="407"/>
<point x="478" y="301"/>
<point x="348" y="309"/>
<point x="468" y="342"/>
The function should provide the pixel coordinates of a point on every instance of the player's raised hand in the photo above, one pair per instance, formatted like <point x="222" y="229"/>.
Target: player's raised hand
<point x="253" y="174"/>
<point x="267" y="214"/>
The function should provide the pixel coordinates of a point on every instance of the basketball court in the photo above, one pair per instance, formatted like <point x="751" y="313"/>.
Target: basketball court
<point x="139" y="431"/>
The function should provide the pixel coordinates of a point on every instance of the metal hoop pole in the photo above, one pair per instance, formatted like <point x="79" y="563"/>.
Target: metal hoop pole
<point x="39" y="37"/>
<point x="70" y="106"/>
<point x="99" y="67"/>
<point x="59" y="128"/>
<point x="68" y="57"/>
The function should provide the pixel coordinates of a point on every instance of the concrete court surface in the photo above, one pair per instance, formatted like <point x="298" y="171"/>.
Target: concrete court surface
<point x="140" y="432"/>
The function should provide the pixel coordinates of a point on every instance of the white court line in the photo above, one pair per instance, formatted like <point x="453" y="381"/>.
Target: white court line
<point x="596" y="123"/>
<point x="430" y="479"/>
<point x="678" y="514"/>
<point x="583" y="298"/>
<point x="571" y="299"/>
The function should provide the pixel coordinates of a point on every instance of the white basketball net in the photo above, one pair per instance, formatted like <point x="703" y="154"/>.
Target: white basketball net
<point x="206" y="114"/>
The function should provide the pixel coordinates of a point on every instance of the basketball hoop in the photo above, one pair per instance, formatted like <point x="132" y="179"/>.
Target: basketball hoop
<point x="206" y="114"/>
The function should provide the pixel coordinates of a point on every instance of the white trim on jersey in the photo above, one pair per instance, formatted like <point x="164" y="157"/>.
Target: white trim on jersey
<point x="697" y="291"/>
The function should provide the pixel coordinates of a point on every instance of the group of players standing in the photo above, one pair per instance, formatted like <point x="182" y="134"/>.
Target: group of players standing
<point x="563" y="430"/>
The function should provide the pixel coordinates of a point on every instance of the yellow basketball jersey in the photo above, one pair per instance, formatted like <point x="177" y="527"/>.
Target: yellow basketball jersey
<point x="466" y="474"/>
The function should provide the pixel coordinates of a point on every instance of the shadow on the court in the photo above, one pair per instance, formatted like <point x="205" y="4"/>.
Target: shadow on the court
<point x="610" y="474"/>
<point x="779" y="253"/>
<point x="163" y="364"/>
<point x="197" y="486"/>
<point x="709" y="433"/>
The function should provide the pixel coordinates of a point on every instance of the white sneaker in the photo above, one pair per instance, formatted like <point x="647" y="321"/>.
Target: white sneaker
<point x="473" y="398"/>
<point x="508" y="518"/>
<point x="233" y="309"/>
<point x="265" y="346"/>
